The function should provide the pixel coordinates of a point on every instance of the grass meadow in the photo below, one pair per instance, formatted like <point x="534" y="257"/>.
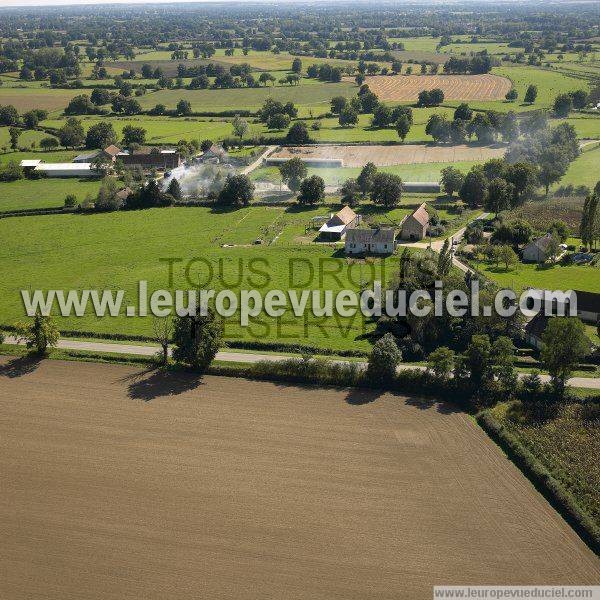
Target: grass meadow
<point x="584" y="170"/>
<point x="553" y="277"/>
<point x="44" y="193"/>
<point x="115" y="250"/>
<point x="310" y="98"/>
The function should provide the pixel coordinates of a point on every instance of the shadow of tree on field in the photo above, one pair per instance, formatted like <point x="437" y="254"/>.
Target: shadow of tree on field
<point x="151" y="384"/>
<point x="360" y="396"/>
<point x="442" y="406"/>
<point x="20" y="366"/>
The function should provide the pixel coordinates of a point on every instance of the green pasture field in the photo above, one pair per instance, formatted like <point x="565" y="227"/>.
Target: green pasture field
<point x="418" y="44"/>
<point x="260" y="61"/>
<point x="411" y="58"/>
<point x="315" y="98"/>
<point x="584" y="170"/>
<point x="171" y="129"/>
<point x="26" y="138"/>
<point x="44" y="193"/>
<point x="57" y="156"/>
<point x="162" y="130"/>
<point x="551" y="277"/>
<point x="116" y="250"/>
<point x="268" y="61"/>
<point x="408" y="172"/>
<point x="566" y="444"/>
<point x="467" y="48"/>
<point x="586" y="125"/>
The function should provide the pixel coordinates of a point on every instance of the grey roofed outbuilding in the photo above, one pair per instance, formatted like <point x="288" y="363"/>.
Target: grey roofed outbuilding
<point x="370" y="236"/>
<point x="86" y="157"/>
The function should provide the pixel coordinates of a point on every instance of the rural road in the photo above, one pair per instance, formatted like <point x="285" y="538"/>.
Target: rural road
<point x="258" y="162"/>
<point x="247" y="357"/>
<point x="438" y="244"/>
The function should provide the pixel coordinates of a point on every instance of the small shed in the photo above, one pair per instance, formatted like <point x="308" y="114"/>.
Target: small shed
<point x="336" y="227"/>
<point x="29" y="165"/>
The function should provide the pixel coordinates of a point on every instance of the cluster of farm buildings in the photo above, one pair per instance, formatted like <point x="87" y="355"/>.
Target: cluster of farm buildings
<point x="85" y="165"/>
<point x="345" y="226"/>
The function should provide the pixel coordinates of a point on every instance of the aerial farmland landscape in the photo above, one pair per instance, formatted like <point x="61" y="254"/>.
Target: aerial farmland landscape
<point x="299" y="300"/>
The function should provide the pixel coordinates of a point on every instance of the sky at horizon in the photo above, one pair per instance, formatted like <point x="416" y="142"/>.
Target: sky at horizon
<point x="33" y="3"/>
<point x="25" y="3"/>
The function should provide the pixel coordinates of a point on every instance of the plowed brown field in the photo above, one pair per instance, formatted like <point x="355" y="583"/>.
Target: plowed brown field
<point x="406" y="88"/>
<point x="121" y="485"/>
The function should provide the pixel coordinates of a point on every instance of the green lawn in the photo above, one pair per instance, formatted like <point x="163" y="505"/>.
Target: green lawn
<point x="557" y="277"/>
<point x="116" y="250"/>
<point x="44" y="193"/>
<point x="586" y="125"/>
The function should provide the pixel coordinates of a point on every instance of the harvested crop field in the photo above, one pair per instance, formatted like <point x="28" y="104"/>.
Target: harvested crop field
<point x="119" y="484"/>
<point x="406" y="88"/>
<point x="382" y="156"/>
<point x="25" y="99"/>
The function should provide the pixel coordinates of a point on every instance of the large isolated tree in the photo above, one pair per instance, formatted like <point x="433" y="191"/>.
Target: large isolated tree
<point x="564" y="345"/>
<point x="237" y="191"/>
<point x="387" y="189"/>
<point x="100" y="135"/>
<point x="384" y="359"/>
<point x="312" y="190"/>
<point x="197" y="339"/>
<point x="365" y="178"/>
<point x="293" y="172"/>
<point x="451" y="180"/>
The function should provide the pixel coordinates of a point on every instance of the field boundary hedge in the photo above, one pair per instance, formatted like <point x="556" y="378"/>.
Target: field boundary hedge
<point x="32" y="212"/>
<point x="556" y="494"/>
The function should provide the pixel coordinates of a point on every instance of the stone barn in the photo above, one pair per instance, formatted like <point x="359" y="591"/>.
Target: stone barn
<point x="414" y="227"/>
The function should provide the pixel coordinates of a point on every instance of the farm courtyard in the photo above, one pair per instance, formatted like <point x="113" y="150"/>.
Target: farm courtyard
<point x="218" y="488"/>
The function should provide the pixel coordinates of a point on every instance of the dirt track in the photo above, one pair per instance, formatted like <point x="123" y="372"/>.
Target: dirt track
<point x="381" y="156"/>
<point x="118" y="485"/>
<point x="405" y="88"/>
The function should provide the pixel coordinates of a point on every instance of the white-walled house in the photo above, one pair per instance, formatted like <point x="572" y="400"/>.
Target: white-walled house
<point x="370" y="241"/>
<point x="538" y="250"/>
